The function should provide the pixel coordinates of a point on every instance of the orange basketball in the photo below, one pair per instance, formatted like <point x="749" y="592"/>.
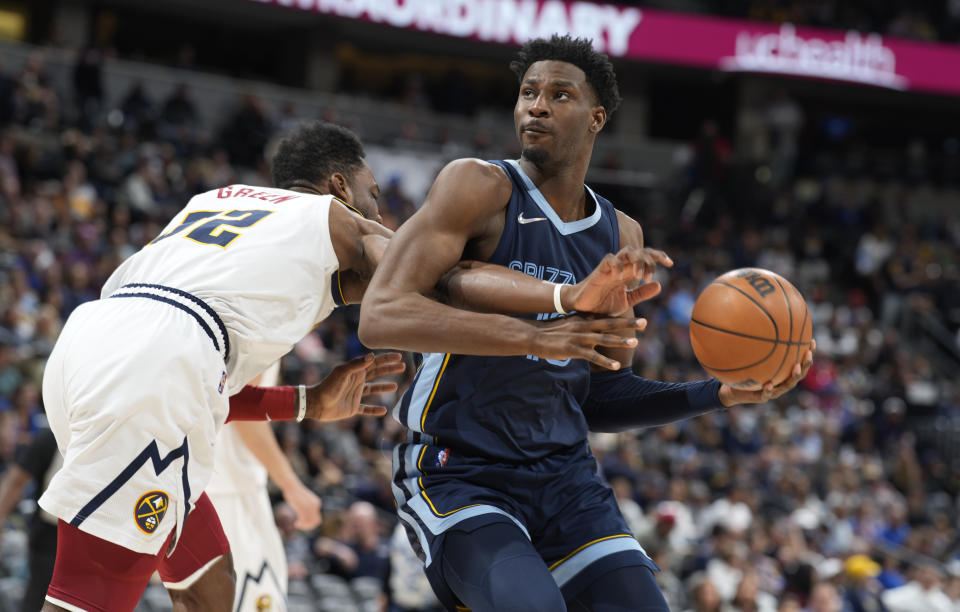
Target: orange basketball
<point x="750" y="326"/>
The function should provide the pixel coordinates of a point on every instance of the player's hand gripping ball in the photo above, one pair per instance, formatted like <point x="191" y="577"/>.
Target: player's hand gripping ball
<point x="750" y="326"/>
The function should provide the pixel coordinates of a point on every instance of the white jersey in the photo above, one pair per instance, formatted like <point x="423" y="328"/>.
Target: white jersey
<point x="224" y="247"/>
<point x="136" y="389"/>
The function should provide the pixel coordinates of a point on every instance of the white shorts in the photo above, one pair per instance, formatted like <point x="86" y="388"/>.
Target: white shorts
<point x="258" y="556"/>
<point x="135" y="394"/>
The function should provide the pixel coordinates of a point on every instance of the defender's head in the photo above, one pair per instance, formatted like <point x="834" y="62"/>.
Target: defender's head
<point x="327" y="158"/>
<point x="567" y="92"/>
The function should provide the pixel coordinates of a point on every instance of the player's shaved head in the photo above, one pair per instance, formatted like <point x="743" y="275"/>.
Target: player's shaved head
<point x="314" y="152"/>
<point x="579" y="52"/>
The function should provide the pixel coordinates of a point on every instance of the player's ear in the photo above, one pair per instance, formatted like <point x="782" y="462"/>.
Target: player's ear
<point x="339" y="187"/>
<point x="598" y="119"/>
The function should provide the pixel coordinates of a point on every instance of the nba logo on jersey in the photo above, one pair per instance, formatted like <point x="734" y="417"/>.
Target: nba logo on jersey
<point x="223" y="382"/>
<point x="442" y="457"/>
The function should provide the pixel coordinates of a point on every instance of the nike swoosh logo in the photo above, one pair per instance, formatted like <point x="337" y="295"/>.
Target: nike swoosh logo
<point x="523" y="221"/>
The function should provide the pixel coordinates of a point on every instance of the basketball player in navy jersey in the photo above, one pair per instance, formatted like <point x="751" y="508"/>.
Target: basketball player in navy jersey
<point x="497" y="486"/>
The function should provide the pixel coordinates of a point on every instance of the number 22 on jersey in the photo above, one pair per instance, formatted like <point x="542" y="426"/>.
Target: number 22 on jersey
<point x="210" y="231"/>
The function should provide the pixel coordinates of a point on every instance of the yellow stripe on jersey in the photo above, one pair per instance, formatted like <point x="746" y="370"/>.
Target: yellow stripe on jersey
<point x="340" y="289"/>
<point x="561" y="561"/>
<point x="423" y="492"/>
<point x="350" y="206"/>
<point x="423" y="418"/>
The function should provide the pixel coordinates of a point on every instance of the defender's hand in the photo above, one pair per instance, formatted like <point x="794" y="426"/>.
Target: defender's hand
<point x="577" y="337"/>
<point x="731" y="396"/>
<point x="607" y="290"/>
<point x="338" y="395"/>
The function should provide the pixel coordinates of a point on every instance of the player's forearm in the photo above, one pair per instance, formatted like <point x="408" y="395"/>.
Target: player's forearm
<point x="259" y="438"/>
<point x="254" y="403"/>
<point x="413" y="322"/>
<point x="621" y="400"/>
<point x="485" y="287"/>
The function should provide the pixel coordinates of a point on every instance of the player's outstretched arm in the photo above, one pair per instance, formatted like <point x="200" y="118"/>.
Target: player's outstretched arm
<point x="618" y="401"/>
<point x="466" y="200"/>
<point x="338" y="396"/>
<point x="617" y="284"/>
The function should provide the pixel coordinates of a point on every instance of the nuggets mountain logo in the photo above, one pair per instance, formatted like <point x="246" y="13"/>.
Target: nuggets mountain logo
<point x="149" y="510"/>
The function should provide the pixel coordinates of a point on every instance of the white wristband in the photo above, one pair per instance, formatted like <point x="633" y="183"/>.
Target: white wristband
<point x="556" y="299"/>
<point x="302" y="402"/>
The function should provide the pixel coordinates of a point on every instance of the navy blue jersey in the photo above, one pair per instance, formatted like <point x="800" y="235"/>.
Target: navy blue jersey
<point x="516" y="409"/>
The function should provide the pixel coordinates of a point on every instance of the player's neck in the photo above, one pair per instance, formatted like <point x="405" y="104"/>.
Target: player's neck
<point x="305" y="187"/>
<point x="562" y="186"/>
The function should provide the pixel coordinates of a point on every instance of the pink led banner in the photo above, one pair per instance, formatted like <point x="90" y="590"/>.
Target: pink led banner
<point x="661" y="36"/>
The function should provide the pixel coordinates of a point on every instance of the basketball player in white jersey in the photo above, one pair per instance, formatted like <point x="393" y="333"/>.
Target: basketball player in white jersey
<point x="136" y="387"/>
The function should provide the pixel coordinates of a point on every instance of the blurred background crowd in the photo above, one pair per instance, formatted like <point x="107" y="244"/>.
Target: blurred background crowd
<point x="843" y="495"/>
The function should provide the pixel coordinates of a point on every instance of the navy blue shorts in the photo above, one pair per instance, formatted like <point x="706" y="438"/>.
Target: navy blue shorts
<point x="568" y="513"/>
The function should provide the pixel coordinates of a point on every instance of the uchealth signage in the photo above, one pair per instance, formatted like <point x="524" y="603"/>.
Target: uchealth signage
<point x="864" y="59"/>
<point x="665" y="37"/>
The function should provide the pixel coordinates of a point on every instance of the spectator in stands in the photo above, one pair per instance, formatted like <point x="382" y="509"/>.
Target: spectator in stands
<point x="703" y="594"/>
<point x="138" y="111"/>
<point x="296" y="545"/>
<point x="824" y="598"/>
<point x="655" y="533"/>
<point x="359" y="549"/>
<point x="36" y="463"/>
<point x="749" y="598"/>
<point x="8" y="88"/>
<point x="924" y="593"/>
<point x="88" y="85"/>
<point x="37" y="104"/>
<point x="861" y="590"/>
<point x="178" y="109"/>
<point x="246" y="132"/>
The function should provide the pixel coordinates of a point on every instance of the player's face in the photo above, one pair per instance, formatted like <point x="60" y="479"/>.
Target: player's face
<point x="363" y="193"/>
<point x="555" y="111"/>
